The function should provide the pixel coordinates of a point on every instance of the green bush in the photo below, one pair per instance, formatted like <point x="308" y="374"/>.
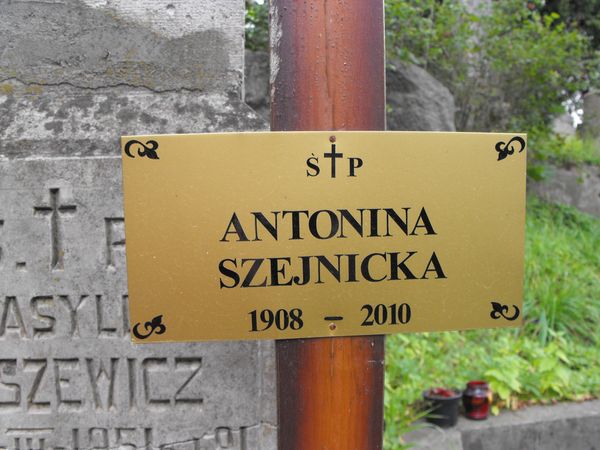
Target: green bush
<point x="257" y="25"/>
<point x="510" y="69"/>
<point x="583" y="14"/>
<point x="564" y="150"/>
<point x="563" y="272"/>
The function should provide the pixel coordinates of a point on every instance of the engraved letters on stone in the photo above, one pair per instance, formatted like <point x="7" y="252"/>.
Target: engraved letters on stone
<point x="69" y="376"/>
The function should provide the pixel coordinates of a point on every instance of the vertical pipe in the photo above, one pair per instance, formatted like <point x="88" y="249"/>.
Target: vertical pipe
<point x="327" y="73"/>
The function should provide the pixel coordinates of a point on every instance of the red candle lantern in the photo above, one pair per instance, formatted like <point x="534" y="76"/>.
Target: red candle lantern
<point x="477" y="399"/>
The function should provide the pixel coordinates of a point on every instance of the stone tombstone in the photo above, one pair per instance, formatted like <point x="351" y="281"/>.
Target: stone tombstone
<point x="591" y="116"/>
<point x="74" y="76"/>
<point x="416" y="100"/>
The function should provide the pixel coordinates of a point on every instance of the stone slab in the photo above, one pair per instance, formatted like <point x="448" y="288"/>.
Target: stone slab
<point x="77" y="74"/>
<point x="575" y="426"/>
<point x="157" y="44"/>
<point x="66" y="121"/>
<point x="430" y="437"/>
<point x="69" y="376"/>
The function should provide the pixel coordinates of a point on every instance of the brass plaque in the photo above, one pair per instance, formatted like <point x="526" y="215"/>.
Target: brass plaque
<point x="305" y="234"/>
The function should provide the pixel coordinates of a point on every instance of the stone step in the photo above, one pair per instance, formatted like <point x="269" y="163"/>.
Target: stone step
<point x="573" y="426"/>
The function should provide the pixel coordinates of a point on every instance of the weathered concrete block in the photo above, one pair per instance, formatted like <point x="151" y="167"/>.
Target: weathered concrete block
<point x="63" y="121"/>
<point x="74" y="76"/>
<point x="574" y="426"/>
<point x="430" y="437"/>
<point x="77" y="74"/>
<point x="157" y="44"/>
<point x="69" y="376"/>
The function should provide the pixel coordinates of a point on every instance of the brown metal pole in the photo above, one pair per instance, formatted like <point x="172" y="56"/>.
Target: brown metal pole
<point x="327" y="72"/>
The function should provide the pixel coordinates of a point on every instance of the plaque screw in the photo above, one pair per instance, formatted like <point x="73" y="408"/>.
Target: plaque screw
<point x="332" y="139"/>
<point x="332" y="326"/>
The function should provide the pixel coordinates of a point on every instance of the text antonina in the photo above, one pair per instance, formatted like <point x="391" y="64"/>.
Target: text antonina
<point x="323" y="225"/>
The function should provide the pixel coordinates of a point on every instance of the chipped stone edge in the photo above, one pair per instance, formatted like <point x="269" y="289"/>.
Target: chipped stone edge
<point x="275" y="35"/>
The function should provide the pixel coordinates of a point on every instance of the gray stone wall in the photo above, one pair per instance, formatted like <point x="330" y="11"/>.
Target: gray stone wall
<point x="74" y="76"/>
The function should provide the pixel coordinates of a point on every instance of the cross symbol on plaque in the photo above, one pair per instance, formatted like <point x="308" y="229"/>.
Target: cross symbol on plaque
<point x="55" y="210"/>
<point x="333" y="155"/>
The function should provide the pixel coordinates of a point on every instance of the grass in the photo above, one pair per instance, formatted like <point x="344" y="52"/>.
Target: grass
<point x="555" y="356"/>
<point x="562" y="290"/>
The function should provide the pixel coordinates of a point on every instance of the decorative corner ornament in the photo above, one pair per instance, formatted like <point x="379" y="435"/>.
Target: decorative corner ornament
<point x="149" y="149"/>
<point x="508" y="148"/>
<point x="500" y="310"/>
<point x="154" y="326"/>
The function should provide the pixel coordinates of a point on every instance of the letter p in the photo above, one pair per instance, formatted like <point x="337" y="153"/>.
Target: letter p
<point x="355" y="163"/>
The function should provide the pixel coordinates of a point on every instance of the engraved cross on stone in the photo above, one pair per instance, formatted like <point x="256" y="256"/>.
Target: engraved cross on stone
<point x="55" y="210"/>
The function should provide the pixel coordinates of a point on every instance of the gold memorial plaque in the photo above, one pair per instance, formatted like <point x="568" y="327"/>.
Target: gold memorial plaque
<point x="306" y="234"/>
